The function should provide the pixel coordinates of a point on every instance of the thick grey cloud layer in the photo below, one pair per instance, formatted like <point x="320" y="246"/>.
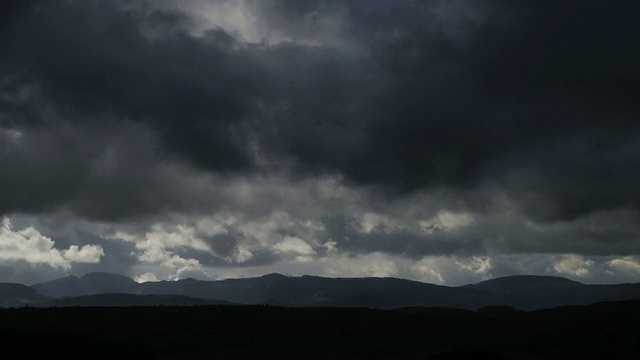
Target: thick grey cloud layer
<point x="219" y="136"/>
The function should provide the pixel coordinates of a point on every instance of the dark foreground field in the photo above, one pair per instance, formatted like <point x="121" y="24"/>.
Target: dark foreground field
<point x="601" y="331"/>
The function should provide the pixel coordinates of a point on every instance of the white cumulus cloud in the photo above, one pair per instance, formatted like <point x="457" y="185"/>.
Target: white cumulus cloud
<point x="146" y="277"/>
<point x="573" y="265"/>
<point x="87" y="254"/>
<point x="295" y="246"/>
<point x="30" y="246"/>
<point x="626" y="263"/>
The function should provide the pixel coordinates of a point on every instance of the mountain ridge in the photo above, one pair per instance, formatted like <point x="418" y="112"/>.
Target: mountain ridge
<point x="525" y="292"/>
<point x="129" y="300"/>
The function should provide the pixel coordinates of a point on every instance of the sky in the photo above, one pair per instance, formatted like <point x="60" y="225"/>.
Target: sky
<point x="442" y="141"/>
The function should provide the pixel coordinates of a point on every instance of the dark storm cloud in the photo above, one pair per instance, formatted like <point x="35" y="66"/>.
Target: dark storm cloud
<point x="536" y="99"/>
<point x="83" y="97"/>
<point x="94" y="171"/>
<point x="92" y="57"/>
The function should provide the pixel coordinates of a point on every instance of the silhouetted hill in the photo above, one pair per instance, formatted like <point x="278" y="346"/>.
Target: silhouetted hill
<point x="89" y="284"/>
<point x="520" y="292"/>
<point x="12" y="295"/>
<point x="536" y="292"/>
<point x="8" y="290"/>
<point x="123" y="300"/>
<point x="517" y="282"/>
<point x="312" y="291"/>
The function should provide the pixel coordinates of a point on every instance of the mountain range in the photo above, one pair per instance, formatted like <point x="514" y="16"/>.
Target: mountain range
<point x="519" y="292"/>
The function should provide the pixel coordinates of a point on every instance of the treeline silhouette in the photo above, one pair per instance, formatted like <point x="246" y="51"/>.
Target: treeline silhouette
<point x="600" y="331"/>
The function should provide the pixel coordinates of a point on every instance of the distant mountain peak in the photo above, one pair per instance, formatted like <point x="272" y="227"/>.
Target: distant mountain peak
<point x="528" y="279"/>
<point x="88" y="284"/>
<point x="13" y="289"/>
<point x="97" y="276"/>
<point x="521" y="292"/>
<point x="274" y="276"/>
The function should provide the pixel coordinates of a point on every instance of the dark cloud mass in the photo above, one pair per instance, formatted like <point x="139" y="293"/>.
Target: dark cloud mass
<point x="311" y="128"/>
